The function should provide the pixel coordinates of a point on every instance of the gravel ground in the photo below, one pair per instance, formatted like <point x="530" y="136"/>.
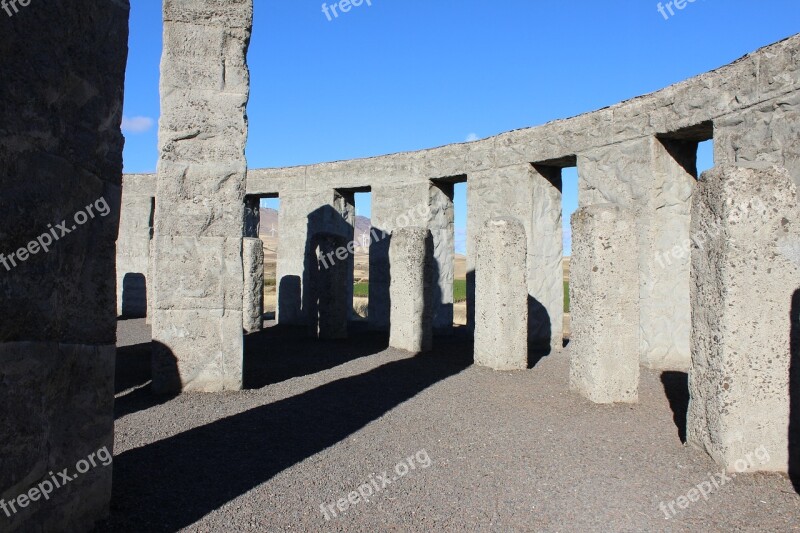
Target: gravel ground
<point x="508" y="451"/>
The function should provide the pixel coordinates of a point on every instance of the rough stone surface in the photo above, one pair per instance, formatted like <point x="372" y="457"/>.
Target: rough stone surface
<point x="253" y="303"/>
<point x="133" y="244"/>
<point x="441" y="221"/>
<point x="603" y="290"/>
<point x="745" y="283"/>
<point x="62" y="77"/>
<point x="501" y="303"/>
<point x="302" y="216"/>
<point x="328" y="294"/>
<point x="392" y="207"/>
<point x="411" y="291"/>
<point x="650" y="179"/>
<point x="197" y="327"/>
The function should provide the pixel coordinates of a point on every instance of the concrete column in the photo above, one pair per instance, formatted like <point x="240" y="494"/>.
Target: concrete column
<point x="328" y="293"/>
<point x="304" y="214"/>
<point x="411" y="292"/>
<point x="133" y="244"/>
<point x="604" y="282"/>
<point x="252" y="216"/>
<point x="745" y="316"/>
<point x="253" y="266"/>
<point x="546" y="261"/>
<point x="441" y="222"/>
<point x="61" y="88"/>
<point x="501" y="296"/>
<point x="653" y="179"/>
<point x="532" y="196"/>
<point x="197" y="327"/>
<point x="392" y="207"/>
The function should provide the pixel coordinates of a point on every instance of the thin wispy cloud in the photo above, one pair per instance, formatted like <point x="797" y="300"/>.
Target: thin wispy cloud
<point x="472" y="137"/>
<point x="137" y="124"/>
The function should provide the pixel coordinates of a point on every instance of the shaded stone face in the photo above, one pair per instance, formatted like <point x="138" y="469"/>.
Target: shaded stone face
<point x="328" y="292"/>
<point x="61" y="90"/>
<point x="604" y="281"/>
<point x="253" y="294"/>
<point x="501" y="302"/>
<point x="745" y="282"/>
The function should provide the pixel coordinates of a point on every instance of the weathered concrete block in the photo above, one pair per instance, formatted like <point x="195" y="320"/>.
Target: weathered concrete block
<point x="441" y="218"/>
<point x="253" y="300"/>
<point x="328" y="294"/>
<point x="58" y="404"/>
<point x="501" y="296"/>
<point x="649" y="177"/>
<point x="745" y="283"/>
<point x="303" y="215"/>
<point x="394" y="206"/>
<point x="202" y="170"/>
<point x="197" y="350"/>
<point x="411" y="290"/>
<point x="604" y="303"/>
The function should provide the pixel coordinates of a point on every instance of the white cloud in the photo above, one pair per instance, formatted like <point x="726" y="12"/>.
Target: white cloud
<point x="472" y="137"/>
<point x="137" y="124"/>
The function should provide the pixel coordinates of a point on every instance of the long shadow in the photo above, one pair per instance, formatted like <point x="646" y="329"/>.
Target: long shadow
<point x="676" y="387"/>
<point x="279" y="353"/>
<point x="794" y="393"/>
<point x="540" y="328"/>
<point x="172" y="483"/>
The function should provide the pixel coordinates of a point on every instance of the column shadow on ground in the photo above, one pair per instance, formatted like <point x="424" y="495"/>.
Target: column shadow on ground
<point x="280" y="352"/>
<point x="170" y="484"/>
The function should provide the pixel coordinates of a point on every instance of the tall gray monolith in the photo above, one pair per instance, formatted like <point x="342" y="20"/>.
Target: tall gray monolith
<point x="501" y="296"/>
<point x="604" y="304"/>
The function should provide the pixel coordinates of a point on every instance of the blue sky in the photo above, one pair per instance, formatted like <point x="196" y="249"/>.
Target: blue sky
<point x="412" y="74"/>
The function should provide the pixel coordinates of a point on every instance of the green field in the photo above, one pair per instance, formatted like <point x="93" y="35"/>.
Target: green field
<point x="566" y="296"/>
<point x="361" y="290"/>
<point x="459" y="290"/>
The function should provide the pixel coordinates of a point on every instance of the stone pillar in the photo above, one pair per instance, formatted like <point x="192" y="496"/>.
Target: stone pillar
<point x="328" y="293"/>
<point x="61" y="88"/>
<point x="745" y="286"/>
<point x="252" y="216"/>
<point x="604" y="305"/>
<point x="392" y="207"/>
<point x="531" y="195"/>
<point x="304" y="214"/>
<point x="546" y="261"/>
<point x="501" y="296"/>
<point x="411" y="292"/>
<point x="253" y="266"/>
<point x="654" y="180"/>
<point x="441" y="222"/>
<point x="197" y="327"/>
<point x="133" y="244"/>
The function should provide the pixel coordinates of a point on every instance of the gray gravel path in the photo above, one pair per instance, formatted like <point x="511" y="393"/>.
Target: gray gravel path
<point x="508" y="451"/>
